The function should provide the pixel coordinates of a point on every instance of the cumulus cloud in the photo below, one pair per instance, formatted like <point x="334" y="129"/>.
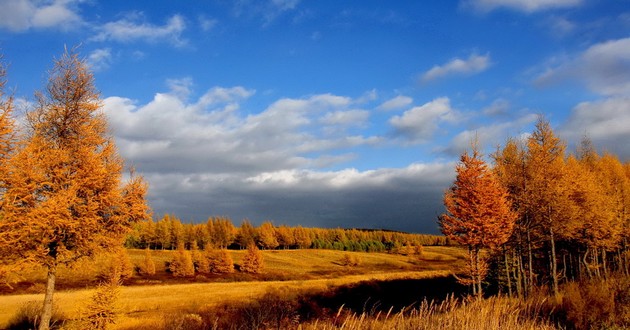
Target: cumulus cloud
<point x="397" y="102"/>
<point x="21" y="15"/>
<point x="604" y="68"/>
<point x="498" y="107"/>
<point x="606" y="122"/>
<point x="210" y="134"/>
<point x="207" y="156"/>
<point x="131" y="29"/>
<point x="418" y="124"/>
<point x="489" y="136"/>
<point x="100" y="59"/>
<point x="526" y="6"/>
<point x="473" y="64"/>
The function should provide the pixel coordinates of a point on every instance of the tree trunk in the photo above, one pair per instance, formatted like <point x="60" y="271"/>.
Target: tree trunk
<point x="585" y="262"/>
<point x="530" y="262"/>
<point x="518" y="274"/>
<point x="554" y="264"/>
<point x="604" y="264"/>
<point x="471" y="255"/>
<point x="44" y="323"/>
<point x="478" y="271"/>
<point x="507" y="273"/>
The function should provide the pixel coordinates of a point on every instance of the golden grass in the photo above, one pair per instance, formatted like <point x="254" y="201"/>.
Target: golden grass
<point x="314" y="271"/>
<point x="496" y="313"/>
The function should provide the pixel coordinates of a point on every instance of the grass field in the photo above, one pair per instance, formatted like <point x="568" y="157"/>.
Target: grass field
<point x="299" y="270"/>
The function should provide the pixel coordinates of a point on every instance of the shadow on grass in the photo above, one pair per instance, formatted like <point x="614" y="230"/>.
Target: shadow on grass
<point x="374" y="296"/>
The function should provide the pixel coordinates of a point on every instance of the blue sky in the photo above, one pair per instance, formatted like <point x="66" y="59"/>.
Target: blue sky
<point x="328" y="113"/>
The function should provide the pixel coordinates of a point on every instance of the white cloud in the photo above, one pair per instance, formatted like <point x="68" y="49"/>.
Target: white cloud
<point x="130" y="30"/>
<point x="353" y="117"/>
<point x="100" y="59"/>
<point x="211" y="135"/>
<point x="606" y="122"/>
<point x="604" y="68"/>
<point x="489" y="136"/>
<point x="207" y="24"/>
<point x="206" y="157"/>
<point x="420" y="123"/>
<point x="474" y="64"/>
<point x="527" y="6"/>
<point x="397" y="102"/>
<point x="498" y="107"/>
<point x="21" y="15"/>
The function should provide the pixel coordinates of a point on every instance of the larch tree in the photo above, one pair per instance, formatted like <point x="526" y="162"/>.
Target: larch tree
<point x="478" y="212"/>
<point x="64" y="196"/>
<point x="545" y="193"/>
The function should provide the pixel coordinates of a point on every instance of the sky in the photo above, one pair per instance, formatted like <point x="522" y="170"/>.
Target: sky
<point x="328" y="113"/>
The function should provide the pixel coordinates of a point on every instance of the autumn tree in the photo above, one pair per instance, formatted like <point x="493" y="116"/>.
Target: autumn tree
<point x="266" y="236"/>
<point x="182" y="263"/>
<point x="253" y="260"/>
<point x="219" y="261"/>
<point x="63" y="194"/>
<point x="246" y="235"/>
<point x="147" y="267"/>
<point x="478" y="213"/>
<point x="546" y="195"/>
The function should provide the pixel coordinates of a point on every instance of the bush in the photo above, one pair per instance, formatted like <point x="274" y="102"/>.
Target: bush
<point x="219" y="261"/>
<point x="253" y="260"/>
<point x="28" y="315"/>
<point x="100" y="312"/>
<point x="350" y="260"/>
<point x="182" y="264"/>
<point x="147" y="267"/>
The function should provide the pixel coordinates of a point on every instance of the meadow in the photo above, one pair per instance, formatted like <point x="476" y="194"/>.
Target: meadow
<point x="145" y="300"/>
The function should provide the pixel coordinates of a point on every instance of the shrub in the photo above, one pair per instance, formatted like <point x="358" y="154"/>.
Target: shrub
<point x="27" y="317"/>
<point x="100" y="312"/>
<point x="182" y="264"/>
<point x="350" y="260"/>
<point x="219" y="261"/>
<point x="253" y="260"/>
<point x="147" y="267"/>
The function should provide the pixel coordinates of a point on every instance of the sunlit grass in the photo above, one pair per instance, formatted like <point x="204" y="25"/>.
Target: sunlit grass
<point x="309" y="270"/>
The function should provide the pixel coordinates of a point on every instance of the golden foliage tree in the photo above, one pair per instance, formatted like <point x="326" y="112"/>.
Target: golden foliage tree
<point x="546" y="195"/>
<point x="182" y="264"/>
<point x="266" y="237"/>
<point x="147" y="267"/>
<point x="253" y="260"/>
<point x="478" y="213"/>
<point x="63" y="197"/>
<point x="219" y="261"/>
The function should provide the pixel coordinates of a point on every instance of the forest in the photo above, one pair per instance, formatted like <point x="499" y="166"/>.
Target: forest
<point x="219" y="232"/>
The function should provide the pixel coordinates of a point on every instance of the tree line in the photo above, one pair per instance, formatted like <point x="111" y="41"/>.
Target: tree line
<point x="544" y="215"/>
<point x="219" y="232"/>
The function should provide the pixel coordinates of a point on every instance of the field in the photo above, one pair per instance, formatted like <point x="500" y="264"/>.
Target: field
<point x="146" y="300"/>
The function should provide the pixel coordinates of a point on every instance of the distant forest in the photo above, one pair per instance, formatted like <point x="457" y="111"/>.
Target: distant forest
<point x="219" y="232"/>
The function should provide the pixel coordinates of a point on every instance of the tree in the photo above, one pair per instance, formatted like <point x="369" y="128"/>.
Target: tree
<point x="182" y="264"/>
<point x="545" y="195"/>
<point x="266" y="237"/>
<point x="219" y="261"/>
<point x="246" y="234"/>
<point x="63" y="198"/>
<point x="478" y="213"/>
<point x="147" y="267"/>
<point x="253" y="260"/>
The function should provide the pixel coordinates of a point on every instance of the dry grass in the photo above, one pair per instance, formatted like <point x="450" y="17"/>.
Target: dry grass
<point x="310" y="271"/>
<point x="491" y="314"/>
